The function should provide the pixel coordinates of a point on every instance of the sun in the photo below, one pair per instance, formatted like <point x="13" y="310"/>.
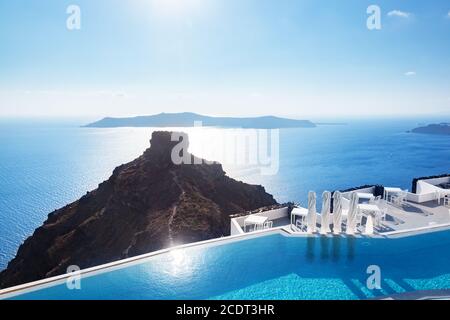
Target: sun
<point x="174" y="7"/>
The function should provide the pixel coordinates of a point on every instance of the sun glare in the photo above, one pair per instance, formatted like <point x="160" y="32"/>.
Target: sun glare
<point x="180" y="264"/>
<point x="174" y="7"/>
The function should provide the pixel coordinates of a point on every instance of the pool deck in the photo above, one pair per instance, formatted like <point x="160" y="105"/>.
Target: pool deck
<point x="414" y="216"/>
<point x="410" y="217"/>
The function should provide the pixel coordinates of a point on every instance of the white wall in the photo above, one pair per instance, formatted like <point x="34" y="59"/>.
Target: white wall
<point x="424" y="187"/>
<point x="235" y="228"/>
<point x="426" y="190"/>
<point x="420" y="198"/>
<point x="364" y="190"/>
<point x="429" y="185"/>
<point x="238" y="223"/>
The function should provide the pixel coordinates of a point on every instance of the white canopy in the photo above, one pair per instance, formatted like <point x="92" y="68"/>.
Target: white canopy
<point x="352" y="214"/>
<point x="312" y="213"/>
<point x="337" y="212"/>
<point x="298" y="212"/>
<point x="369" y="226"/>
<point x="325" y="214"/>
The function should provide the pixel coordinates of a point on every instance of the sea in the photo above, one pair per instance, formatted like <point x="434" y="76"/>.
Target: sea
<point x="48" y="163"/>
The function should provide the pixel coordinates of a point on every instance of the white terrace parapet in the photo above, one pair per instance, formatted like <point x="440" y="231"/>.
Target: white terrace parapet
<point x="426" y="185"/>
<point x="430" y="185"/>
<point x="237" y="224"/>
<point x="363" y="190"/>
<point x="421" y="197"/>
<point x="426" y="189"/>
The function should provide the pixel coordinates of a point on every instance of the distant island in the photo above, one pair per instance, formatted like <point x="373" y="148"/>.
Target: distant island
<point x="188" y="119"/>
<point x="438" y="129"/>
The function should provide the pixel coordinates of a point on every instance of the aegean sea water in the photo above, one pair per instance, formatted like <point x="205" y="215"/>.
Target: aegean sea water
<point x="45" y="164"/>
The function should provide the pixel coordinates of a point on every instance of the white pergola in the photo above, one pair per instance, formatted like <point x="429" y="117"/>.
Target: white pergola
<point x="388" y="191"/>
<point x="301" y="213"/>
<point x="256" y="221"/>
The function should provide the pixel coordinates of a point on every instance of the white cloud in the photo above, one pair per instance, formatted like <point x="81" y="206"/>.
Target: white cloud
<point x="448" y="14"/>
<point x="410" y="73"/>
<point x="398" y="13"/>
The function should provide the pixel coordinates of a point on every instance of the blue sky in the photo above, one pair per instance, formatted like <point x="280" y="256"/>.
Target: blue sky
<point x="224" y="57"/>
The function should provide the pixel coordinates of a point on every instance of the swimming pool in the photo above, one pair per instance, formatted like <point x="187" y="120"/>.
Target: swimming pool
<point x="274" y="266"/>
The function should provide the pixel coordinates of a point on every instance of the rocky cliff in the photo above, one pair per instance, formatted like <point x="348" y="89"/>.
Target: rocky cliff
<point x="146" y="205"/>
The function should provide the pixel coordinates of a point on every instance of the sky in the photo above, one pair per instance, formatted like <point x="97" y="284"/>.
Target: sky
<point x="296" y="58"/>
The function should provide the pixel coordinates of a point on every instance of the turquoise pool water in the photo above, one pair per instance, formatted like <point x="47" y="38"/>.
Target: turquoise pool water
<point x="275" y="267"/>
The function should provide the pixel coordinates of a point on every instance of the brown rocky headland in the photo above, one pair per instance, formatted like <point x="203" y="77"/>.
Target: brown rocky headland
<point x="146" y="205"/>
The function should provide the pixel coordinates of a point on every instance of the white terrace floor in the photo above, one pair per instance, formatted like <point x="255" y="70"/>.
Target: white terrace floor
<point x="413" y="216"/>
<point x="409" y="216"/>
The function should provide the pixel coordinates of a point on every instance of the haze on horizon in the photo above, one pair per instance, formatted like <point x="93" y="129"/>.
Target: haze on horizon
<point x="296" y="58"/>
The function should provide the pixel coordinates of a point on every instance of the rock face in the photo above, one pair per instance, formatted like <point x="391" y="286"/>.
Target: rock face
<point x="146" y="205"/>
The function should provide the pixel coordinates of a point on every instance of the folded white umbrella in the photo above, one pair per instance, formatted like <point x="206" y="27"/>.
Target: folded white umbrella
<point x="369" y="226"/>
<point x="352" y="213"/>
<point x="312" y="214"/>
<point x="325" y="214"/>
<point x="337" y="212"/>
